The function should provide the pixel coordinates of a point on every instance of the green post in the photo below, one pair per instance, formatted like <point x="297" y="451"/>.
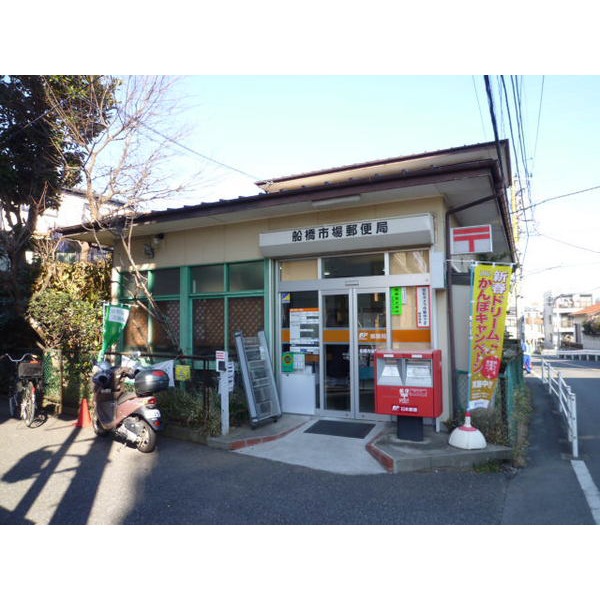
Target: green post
<point x="185" y="312"/>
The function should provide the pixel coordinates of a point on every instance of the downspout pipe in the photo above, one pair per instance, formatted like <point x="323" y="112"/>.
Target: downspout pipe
<point x="449" y="302"/>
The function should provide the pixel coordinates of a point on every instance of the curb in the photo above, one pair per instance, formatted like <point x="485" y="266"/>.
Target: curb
<point x="404" y="461"/>
<point x="247" y="442"/>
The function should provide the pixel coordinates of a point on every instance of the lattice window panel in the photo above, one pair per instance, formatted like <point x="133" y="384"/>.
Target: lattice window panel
<point x="136" y="331"/>
<point x="208" y="328"/>
<point x="170" y="311"/>
<point x="245" y="315"/>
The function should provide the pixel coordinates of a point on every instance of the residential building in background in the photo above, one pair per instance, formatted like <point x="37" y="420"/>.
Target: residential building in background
<point x="587" y="327"/>
<point x="559" y="325"/>
<point x="532" y="319"/>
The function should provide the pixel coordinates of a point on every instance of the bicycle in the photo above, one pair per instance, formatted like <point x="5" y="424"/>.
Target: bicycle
<point x="22" y="399"/>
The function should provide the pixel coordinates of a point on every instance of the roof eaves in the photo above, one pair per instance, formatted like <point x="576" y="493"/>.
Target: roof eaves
<point x="383" y="162"/>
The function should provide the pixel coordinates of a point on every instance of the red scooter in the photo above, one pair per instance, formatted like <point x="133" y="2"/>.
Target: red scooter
<point x="132" y="416"/>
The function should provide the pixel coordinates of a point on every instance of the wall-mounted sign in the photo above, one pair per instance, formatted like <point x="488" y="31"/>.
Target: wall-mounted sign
<point x="423" y="307"/>
<point x="471" y="240"/>
<point x="183" y="373"/>
<point x="397" y="300"/>
<point x="357" y="235"/>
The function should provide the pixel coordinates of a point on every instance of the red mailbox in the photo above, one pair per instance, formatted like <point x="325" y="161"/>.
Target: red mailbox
<point x="408" y="384"/>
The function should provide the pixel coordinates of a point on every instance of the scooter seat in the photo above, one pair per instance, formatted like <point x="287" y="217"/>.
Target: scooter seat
<point x="124" y="396"/>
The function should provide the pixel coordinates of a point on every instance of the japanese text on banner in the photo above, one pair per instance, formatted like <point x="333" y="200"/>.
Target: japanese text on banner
<point x="490" y="289"/>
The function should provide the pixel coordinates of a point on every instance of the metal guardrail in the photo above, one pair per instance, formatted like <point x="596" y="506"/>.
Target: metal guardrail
<point x="566" y="401"/>
<point x="584" y="354"/>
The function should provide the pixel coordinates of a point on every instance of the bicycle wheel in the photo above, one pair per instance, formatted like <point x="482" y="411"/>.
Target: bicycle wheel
<point x="28" y="404"/>
<point x="14" y="402"/>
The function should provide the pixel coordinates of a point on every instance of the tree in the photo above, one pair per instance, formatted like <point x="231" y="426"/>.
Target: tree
<point x="591" y="326"/>
<point x="65" y="308"/>
<point x="124" y="170"/>
<point x="39" y="157"/>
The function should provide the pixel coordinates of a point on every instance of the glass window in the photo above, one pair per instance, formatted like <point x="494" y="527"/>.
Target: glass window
<point x="207" y="279"/>
<point x="337" y="311"/>
<point x="129" y="289"/>
<point x="297" y="300"/>
<point x="364" y="265"/>
<point x="166" y="282"/>
<point x="298" y="270"/>
<point x="246" y="276"/>
<point x="406" y="331"/>
<point x="409" y="262"/>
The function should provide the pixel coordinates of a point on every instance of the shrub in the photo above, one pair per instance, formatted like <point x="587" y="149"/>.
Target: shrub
<point x="190" y="409"/>
<point x="591" y="326"/>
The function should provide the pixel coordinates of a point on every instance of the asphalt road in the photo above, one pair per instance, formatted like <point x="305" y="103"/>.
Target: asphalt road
<point x="584" y="379"/>
<point x="61" y="474"/>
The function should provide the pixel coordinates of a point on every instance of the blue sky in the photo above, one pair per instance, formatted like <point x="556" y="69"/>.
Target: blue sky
<point x="269" y="126"/>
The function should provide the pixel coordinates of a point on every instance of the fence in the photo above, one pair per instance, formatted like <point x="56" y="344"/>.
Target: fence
<point x="581" y="354"/>
<point x="503" y="404"/>
<point x="67" y="376"/>
<point x="566" y="401"/>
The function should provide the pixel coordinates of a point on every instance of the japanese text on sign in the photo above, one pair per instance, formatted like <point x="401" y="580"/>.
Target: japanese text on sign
<point x="349" y="230"/>
<point x="423" y="307"/>
<point x="490" y="292"/>
<point x="398" y="299"/>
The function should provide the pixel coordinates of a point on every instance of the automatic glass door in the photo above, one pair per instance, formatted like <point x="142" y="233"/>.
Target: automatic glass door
<point x="354" y="326"/>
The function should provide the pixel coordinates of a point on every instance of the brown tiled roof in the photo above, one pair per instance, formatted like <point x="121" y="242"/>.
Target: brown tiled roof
<point x="590" y="310"/>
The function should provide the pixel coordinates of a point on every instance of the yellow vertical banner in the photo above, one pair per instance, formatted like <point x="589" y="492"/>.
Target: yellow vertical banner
<point x="490" y="287"/>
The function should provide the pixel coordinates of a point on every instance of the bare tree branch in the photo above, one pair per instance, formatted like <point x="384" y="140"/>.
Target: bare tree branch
<point x="125" y="167"/>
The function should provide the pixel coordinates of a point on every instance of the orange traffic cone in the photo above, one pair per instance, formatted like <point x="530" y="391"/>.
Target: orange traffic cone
<point x="84" y="419"/>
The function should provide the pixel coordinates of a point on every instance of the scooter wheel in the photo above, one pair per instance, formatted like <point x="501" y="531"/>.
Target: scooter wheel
<point x="97" y="427"/>
<point x="147" y="436"/>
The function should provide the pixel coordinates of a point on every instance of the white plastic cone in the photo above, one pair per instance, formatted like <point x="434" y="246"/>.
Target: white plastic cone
<point x="467" y="437"/>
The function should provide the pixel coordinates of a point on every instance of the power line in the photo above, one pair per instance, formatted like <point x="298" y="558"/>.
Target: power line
<point x="165" y="137"/>
<point x="568" y="243"/>
<point x="478" y="104"/>
<point x="490" y="96"/>
<point x="512" y="136"/>
<point x="596" y="187"/>
<point x="554" y="267"/>
<point x="537" y="131"/>
<point x="519" y="117"/>
<point x="188" y="149"/>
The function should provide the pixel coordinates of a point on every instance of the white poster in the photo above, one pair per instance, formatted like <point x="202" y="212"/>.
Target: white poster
<point x="423" y="307"/>
<point x="304" y="330"/>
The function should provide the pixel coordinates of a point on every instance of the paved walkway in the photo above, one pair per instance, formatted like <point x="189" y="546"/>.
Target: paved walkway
<point x="60" y="474"/>
<point x="546" y="491"/>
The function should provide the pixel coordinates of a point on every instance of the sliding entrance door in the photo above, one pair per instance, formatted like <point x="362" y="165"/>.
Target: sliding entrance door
<point x="354" y="326"/>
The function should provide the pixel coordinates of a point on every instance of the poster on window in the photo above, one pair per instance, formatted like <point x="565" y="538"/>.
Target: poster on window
<point x="490" y="288"/>
<point x="304" y="330"/>
<point x="423" y="307"/>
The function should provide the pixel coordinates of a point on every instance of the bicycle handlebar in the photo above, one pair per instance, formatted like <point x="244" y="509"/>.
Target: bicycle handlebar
<point x="18" y="360"/>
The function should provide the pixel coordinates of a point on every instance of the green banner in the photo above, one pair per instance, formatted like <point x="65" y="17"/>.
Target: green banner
<point x="398" y="298"/>
<point x="115" y="319"/>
